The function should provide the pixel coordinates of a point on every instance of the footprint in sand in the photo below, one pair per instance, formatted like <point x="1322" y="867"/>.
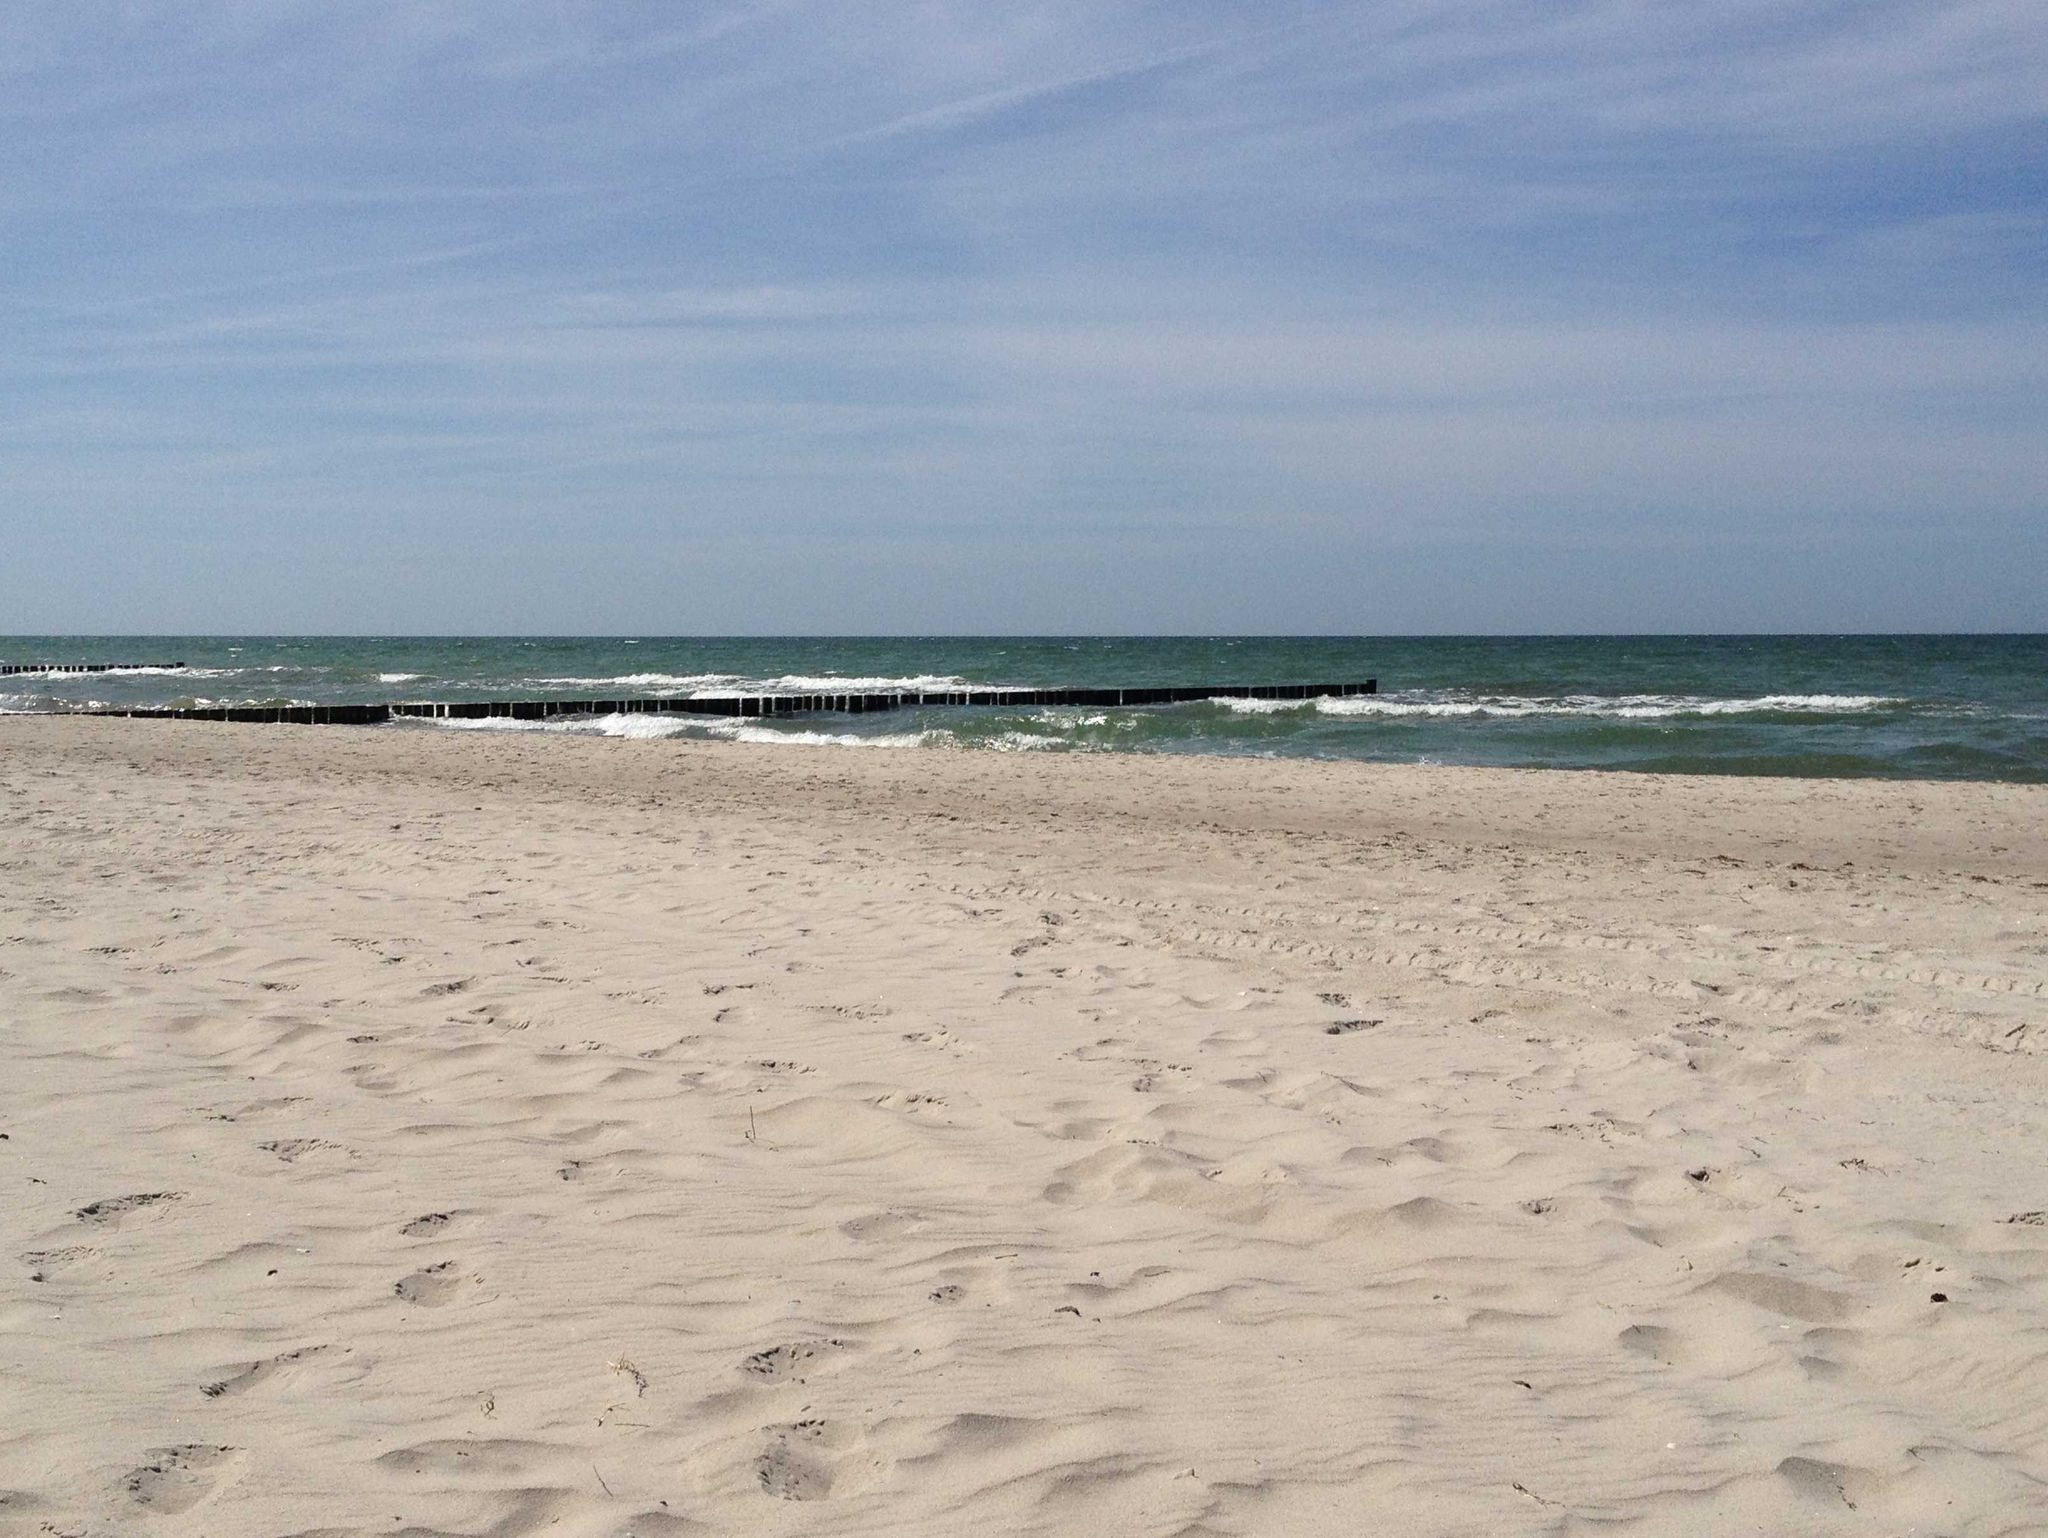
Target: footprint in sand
<point x="1831" y="1484"/>
<point x="292" y="1149"/>
<point x="790" y="1468"/>
<point x="791" y="1362"/>
<point x="941" y="1038"/>
<point x="426" y="1224"/>
<point x="257" y="1373"/>
<point x="1783" y="1296"/>
<point x="910" y="1100"/>
<point x="109" y="1213"/>
<point x="434" y="1286"/>
<point x="880" y="1227"/>
<point x="1651" y="1340"/>
<point x="815" y="1460"/>
<point x="174" y="1479"/>
<point x="41" y="1263"/>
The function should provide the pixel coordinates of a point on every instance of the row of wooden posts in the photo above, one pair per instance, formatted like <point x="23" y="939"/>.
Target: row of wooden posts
<point x="744" y="705"/>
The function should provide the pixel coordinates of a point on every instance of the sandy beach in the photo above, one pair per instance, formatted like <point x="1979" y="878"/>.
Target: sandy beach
<point x="432" y="1132"/>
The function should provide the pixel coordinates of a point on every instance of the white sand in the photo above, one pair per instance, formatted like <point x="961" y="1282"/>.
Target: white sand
<point x="416" y="1132"/>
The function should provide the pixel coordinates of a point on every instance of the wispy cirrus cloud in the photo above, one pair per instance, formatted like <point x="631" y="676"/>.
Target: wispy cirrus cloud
<point x="1329" y="276"/>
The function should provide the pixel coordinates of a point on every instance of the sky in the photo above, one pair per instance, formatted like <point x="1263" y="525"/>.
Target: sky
<point x="1059" y="317"/>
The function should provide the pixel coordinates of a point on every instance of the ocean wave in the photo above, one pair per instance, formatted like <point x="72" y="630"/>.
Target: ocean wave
<point x="674" y="682"/>
<point x="583" y="725"/>
<point x="722" y="685"/>
<point x="397" y="678"/>
<point x="237" y="702"/>
<point x="1781" y="704"/>
<point x="480" y="724"/>
<point x="634" y="728"/>
<point x="1240" y="707"/>
<point x="43" y="705"/>
<point x="1624" y="707"/>
<point x="652" y="727"/>
<point x="735" y="731"/>
<point x="836" y="683"/>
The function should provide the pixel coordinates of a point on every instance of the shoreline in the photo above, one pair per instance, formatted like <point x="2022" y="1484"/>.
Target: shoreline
<point x="811" y="720"/>
<point x="536" y="1133"/>
<point x="1895" y="810"/>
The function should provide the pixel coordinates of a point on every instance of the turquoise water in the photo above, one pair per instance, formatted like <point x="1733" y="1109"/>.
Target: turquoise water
<point x="1920" y="707"/>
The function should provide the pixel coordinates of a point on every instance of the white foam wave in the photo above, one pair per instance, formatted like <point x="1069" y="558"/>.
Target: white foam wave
<point x="635" y="728"/>
<point x="833" y="683"/>
<point x="1624" y="707"/>
<point x="1028" y="742"/>
<point x="580" y="725"/>
<point x="650" y="727"/>
<point x="735" y="731"/>
<point x="675" y="683"/>
<point x="482" y="724"/>
<point x="724" y="685"/>
<point x="1261" y="707"/>
<point x="396" y="678"/>
<point x="1802" y="704"/>
<point x="837" y="683"/>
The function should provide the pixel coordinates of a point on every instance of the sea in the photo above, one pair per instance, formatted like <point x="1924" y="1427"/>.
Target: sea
<point x="1889" y="707"/>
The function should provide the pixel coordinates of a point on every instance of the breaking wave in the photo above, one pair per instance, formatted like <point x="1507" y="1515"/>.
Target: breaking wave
<point x="718" y="685"/>
<point x="653" y="728"/>
<point x="1623" y="707"/>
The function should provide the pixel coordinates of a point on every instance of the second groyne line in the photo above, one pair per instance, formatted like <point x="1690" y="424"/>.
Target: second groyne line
<point x="730" y="705"/>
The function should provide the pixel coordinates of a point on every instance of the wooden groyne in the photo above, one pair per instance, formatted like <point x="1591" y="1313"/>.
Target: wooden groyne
<point x="13" y="669"/>
<point x="743" y="705"/>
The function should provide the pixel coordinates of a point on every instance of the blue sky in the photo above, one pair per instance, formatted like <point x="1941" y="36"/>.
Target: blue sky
<point x="1051" y="317"/>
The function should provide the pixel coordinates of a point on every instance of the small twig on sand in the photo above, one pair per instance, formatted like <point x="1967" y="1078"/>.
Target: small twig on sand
<point x="600" y="1482"/>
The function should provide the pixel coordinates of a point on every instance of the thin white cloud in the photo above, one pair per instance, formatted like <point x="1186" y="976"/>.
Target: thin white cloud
<point x="950" y="116"/>
<point x="800" y="268"/>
